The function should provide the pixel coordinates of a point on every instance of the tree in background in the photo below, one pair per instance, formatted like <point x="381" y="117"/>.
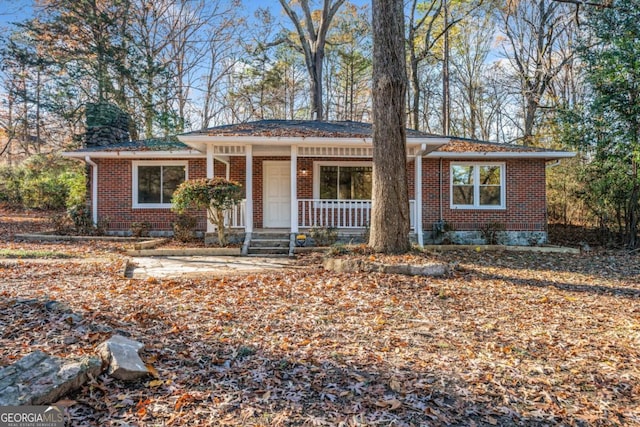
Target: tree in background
<point x="607" y="127"/>
<point x="537" y="33"/>
<point x="148" y="58"/>
<point x="311" y="30"/>
<point x="472" y="105"/>
<point x="270" y="87"/>
<point x="348" y="66"/>
<point x="26" y="74"/>
<point x="427" y="28"/>
<point x="389" y="231"/>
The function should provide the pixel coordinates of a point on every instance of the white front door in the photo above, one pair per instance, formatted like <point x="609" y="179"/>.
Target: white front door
<point x="276" y="194"/>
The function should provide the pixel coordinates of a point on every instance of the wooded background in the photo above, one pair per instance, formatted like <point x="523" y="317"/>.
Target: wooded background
<point x="555" y="74"/>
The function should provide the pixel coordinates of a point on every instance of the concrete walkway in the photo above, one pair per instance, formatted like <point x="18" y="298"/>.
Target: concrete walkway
<point x="189" y="266"/>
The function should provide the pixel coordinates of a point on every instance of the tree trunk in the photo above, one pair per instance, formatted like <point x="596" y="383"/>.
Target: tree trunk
<point x="415" y="80"/>
<point x="38" y="90"/>
<point x="219" y="220"/>
<point x="312" y="40"/>
<point x="317" y="112"/>
<point x="446" y="103"/>
<point x="389" y="231"/>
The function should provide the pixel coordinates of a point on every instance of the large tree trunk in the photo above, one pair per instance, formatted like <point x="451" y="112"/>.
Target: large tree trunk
<point x="317" y="112"/>
<point x="313" y="36"/>
<point x="446" y="103"/>
<point x="389" y="231"/>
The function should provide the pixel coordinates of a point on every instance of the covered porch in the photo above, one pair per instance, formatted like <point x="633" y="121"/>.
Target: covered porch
<point x="300" y="183"/>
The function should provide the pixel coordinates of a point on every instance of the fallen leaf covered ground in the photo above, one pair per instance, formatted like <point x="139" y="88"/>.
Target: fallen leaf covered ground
<point x="507" y="339"/>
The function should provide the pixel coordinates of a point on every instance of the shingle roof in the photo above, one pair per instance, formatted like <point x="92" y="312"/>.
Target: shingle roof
<point x="308" y="128"/>
<point x="170" y="143"/>
<point x="461" y="145"/>
<point x="300" y="128"/>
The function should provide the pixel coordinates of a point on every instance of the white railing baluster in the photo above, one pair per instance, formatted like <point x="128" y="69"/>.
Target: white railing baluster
<point x="234" y="216"/>
<point x="337" y="213"/>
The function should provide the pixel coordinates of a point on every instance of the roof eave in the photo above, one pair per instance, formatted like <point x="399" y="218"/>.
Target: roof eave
<point x="547" y="155"/>
<point x="180" y="154"/>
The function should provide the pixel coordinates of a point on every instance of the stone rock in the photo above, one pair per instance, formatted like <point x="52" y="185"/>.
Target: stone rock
<point x="39" y="379"/>
<point x="395" y="268"/>
<point x="340" y="265"/>
<point x="57" y="306"/>
<point x="121" y="354"/>
<point x="432" y="269"/>
<point x="346" y="265"/>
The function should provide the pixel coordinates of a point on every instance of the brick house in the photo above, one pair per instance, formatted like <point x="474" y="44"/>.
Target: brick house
<point x="302" y="174"/>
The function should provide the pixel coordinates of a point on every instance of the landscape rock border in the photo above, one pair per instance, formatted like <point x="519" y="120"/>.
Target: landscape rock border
<point x="351" y="265"/>
<point x="185" y="252"/>
<point x="47" y="237"/>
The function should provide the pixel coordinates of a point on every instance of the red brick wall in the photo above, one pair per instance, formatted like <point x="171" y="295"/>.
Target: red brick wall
<point x="525" y="193"/>
<point x="115" y="198"/>
<point x="525" y="198"/>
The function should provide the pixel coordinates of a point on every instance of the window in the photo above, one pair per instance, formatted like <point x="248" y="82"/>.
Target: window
<point x="155" y="182"/>
<point x="346" y="181"/>
<point x="477" y="186"/>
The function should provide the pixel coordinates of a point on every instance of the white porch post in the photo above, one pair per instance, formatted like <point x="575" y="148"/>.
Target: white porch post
<point x="418" y="189"/>
<point x="294" y="188"/>
<point x="248" y="221"/>
<point x="210" y="175"/>
<point x="210" y="161"/>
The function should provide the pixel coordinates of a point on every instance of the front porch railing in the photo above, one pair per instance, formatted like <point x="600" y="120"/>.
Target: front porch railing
<point x="340" y="213"/>
<point x="235" y="217"/>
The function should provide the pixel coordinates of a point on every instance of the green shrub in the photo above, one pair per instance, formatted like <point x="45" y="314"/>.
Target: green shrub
<point x="43" y="182"/>
<point x="76" y="183"/>
<point x="216" y="195"/>
<point x="44" y="192"/>
<point x="10" y="180"/>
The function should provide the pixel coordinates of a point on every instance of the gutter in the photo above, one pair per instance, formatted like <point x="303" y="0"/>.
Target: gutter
<point x="147" y="154"/>
<point x="548" y="155"/>
<point x="94" y="189"/>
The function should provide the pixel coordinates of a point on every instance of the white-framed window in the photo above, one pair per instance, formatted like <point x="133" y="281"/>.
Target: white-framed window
<point x="155" y="181"/>
<point x="478" y="185"/>
<point x="342" y="180"/>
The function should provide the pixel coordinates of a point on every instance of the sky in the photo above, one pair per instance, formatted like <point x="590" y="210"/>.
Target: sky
<point x="19" y="10"/>
<point x="14" y="10"/>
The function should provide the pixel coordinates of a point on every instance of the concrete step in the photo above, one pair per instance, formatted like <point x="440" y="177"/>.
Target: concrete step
<point x="269" y="250"/>
<point x="261" y="243"/>
<point x="278" y="235"/>
<point x="269" y="255"/>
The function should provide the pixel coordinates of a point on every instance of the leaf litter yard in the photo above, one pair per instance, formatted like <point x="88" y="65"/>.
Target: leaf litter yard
<point x="506" y="339"/>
